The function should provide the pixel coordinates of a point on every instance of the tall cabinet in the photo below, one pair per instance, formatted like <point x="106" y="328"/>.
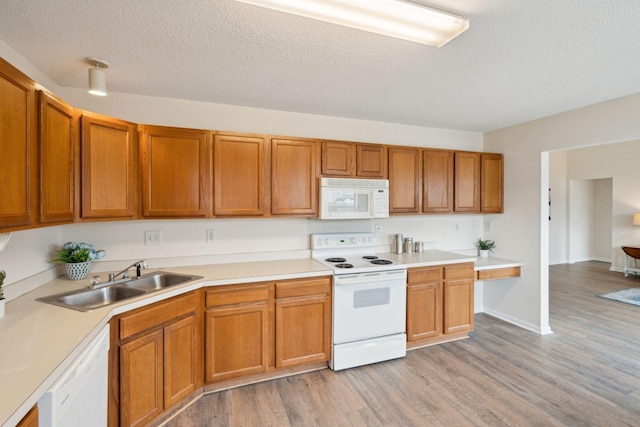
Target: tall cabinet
<point x="18" y="174"/>
<point x="57" y="130"/>
<point x="240" y="175"/>
<point x="109" y="168"/>
<point x="176" y="172"/>
<point x="294" y="176"/>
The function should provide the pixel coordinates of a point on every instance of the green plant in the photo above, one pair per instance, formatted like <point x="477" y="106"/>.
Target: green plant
<point x="73" y="252"/>
<point x="485" y="245"/>
<point x="3" y="275"/>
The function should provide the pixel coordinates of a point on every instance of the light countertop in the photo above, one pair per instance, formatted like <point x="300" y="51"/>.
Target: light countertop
<point x="40" y="341"/>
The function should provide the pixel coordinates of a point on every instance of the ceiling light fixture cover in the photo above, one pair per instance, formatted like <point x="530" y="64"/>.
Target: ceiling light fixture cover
<point x="393" y="18"/>
<point x="97" y="77"/>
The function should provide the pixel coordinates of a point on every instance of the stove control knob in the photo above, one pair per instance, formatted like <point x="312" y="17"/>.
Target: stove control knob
<point x="326" y="241"/>
<point x="354" y="240"/>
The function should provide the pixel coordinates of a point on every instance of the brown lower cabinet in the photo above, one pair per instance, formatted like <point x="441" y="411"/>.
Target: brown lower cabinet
<point x="439" y="302"/>
<point x="155" y="359"/>
<point x="31" y="419"/>
<point x="260" y="327"/>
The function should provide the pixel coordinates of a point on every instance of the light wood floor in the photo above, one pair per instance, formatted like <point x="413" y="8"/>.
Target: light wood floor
<point x="585" y="374"/>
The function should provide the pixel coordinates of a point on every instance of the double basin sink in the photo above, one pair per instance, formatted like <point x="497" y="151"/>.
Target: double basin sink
<point x="90" y="299"/>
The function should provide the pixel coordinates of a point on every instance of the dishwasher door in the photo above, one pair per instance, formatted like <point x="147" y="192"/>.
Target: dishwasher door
<point x="79" y="397"/>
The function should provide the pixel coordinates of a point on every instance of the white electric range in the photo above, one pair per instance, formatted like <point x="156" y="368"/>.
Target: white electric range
<point x="369" y="299"/>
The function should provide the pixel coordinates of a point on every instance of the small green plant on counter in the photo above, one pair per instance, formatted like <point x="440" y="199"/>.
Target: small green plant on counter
<point x="73" y="252"/>
<point x="3" y="276"/>
<point x="485" y="245"/>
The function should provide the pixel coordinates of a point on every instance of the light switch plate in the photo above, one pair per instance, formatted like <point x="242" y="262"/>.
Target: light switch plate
<point x="211" y="235"/>
<point x="153" y="237"/>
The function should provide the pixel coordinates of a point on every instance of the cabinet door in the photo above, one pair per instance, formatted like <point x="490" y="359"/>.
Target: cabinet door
<point x="57" y="126"/>
<point x="239" y="180"/>
<point x="18" y="169"/>
<point x="404" y="180"/>
<point x="303" y="322"/>
<point x="424" y="303"/>
<point x="458" y="298"/>
<point x="338" y="158"/>
<point x="175" y="172"/>
<point x="294" y="173"/>
<point x="236" y="341"/>
<point x="141" y="379"/>
<point x="467" y="182"/>
<point x="437" y="174"/>
<point x="181" y="360"/>
<point x="492" y="183"/>
<point x="109" y="168"/>
<point x="371" y="161"/>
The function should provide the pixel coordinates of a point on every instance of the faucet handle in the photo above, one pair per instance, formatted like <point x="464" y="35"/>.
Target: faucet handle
<point x="95" y="280"/>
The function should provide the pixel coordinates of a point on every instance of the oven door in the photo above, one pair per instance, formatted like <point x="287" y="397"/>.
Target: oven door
<point x="368" y="305"/>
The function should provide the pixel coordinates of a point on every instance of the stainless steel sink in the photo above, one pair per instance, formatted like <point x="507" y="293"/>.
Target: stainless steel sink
<point x="159" y="280"/>
<point x="88" y="299"/>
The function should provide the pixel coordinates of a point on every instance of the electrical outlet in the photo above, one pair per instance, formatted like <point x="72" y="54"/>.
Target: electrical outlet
<point x="456" y="226"/>
<point x="378" y="229"/>
<point x="487" y="226"/>
<point x="153" y="237"/>
<point x="211" y="235"/>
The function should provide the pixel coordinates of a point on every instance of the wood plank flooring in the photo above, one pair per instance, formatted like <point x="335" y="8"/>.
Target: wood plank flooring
<point x="585" y="374"/>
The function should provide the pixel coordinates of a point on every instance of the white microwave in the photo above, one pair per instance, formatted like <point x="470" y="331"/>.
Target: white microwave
<point x="345" y="198"/>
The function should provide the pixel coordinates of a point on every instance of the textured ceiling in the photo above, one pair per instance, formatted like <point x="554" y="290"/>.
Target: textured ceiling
<point x="520" y="59"/>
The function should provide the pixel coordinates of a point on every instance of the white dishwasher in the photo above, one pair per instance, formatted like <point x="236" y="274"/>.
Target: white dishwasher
<point x="79" y="397"/>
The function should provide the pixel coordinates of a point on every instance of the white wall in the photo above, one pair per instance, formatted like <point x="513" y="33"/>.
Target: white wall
<point x="602" y="219"/>
<point x="580" y="220"/>
<point x="522" y="232"/>
<point x="24" y="258"/>
<point x="558" y="184"/>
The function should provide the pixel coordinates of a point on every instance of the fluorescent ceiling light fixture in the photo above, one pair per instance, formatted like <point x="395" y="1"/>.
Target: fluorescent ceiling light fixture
<point x="393" y="18"/>
<point x="97" y="77"/>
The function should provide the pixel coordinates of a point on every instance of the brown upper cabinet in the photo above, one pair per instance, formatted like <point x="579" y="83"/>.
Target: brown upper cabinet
<point x="109" y="168"/>
<point x="240" y="175"/>
<point x="57" y="130"/>
<point x="492" y="183"/>
<point x="176" y="172"/>
<point x="437" y="181"/>
<point x="466" y="182"/>
<point x="294" y="176"/>
<point x="405" y="179"/>
<point x="348" y="159"/>
<point x="18" y="145"/>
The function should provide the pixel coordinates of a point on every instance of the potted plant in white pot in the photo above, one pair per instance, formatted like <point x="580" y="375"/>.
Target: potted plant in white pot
<point x="3" y="276"/>
<point x="484" y="247"/>
<point x="77" y="258"/>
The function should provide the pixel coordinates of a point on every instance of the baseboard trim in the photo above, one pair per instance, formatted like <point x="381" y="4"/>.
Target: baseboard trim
<point x="518" y="322"/>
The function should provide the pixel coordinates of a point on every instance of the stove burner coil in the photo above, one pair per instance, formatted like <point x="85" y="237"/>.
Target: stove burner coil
<point x="335" y="260"/>
<point x="344" y="265"/>
<point x="381" y="262"/>
<point x="369" y="257"/>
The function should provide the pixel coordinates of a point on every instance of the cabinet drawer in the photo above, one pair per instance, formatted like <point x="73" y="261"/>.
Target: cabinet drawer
<point x="421" y="275"/>
<point x="156" y="314"/>
<point x="236" y="294"/>
<point x="498" y="273"/>
<point x="321" y="286"/>
<point x="459" y="271"/>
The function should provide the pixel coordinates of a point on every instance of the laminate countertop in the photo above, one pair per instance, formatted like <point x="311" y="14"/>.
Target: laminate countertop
<point x="40" y="341"/>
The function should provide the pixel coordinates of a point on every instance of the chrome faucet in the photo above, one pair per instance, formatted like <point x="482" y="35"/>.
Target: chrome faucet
<point x="138" y="265"/>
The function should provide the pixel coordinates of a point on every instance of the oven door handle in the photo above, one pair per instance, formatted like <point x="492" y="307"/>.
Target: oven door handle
<point x="379" y="276"/>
